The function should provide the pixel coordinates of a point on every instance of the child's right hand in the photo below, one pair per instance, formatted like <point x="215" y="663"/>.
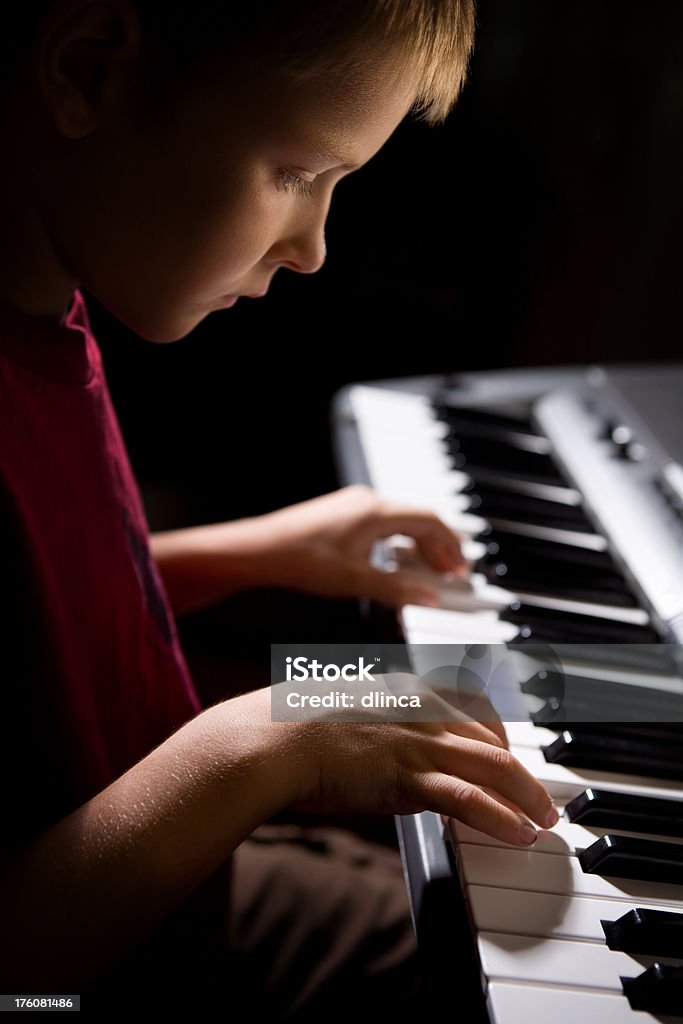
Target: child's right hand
<point x="407" y="767"/>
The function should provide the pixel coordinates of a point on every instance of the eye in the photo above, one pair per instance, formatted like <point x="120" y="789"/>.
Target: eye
<point x="293" y="183"/>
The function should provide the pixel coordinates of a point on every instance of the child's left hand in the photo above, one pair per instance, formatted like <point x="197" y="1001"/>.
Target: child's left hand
<point x="323" y="546"/>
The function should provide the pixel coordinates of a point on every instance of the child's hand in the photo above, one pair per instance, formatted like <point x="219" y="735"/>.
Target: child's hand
<point x="323" y="546"/>
<point x="399" y="768"/>
<point x="406" y="768"/>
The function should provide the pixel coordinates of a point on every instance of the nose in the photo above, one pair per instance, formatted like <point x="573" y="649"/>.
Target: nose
<point x="303" y="248"/>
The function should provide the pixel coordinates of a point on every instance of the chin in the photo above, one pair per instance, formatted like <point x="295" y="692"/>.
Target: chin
<point x="166" y="330"/>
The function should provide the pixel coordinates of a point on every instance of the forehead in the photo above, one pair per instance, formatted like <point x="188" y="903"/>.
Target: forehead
<point x="343" y="119"/>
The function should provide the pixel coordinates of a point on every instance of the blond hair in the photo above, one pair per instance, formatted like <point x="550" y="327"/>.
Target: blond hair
<point x="429" y="40"/>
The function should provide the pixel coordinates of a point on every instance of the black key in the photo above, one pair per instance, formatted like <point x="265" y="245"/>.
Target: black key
<point x="504" y="458"/>
<point x="498" y="481"/>
<point x="539" y="582"/>
<point x="503" y="522"/>
<point x="608" y="718"/>
<point x="547" y="683"/>
<point x="666" y="732"/>
<point x="626" y="811"/>
<point x="610" y="754"/>
<point x="619" y="710"/>
<point x="659" y="989"/>
<point x="456" y="414"/>
<point x="653" y="659"/>
<point x="646" y="932"/>
<point x="512" y="547"/>
<point x="464" y="436"/>
<point x="626" y="857"/>
<point x="548" y="569"/>
<point x="525" y="508"/>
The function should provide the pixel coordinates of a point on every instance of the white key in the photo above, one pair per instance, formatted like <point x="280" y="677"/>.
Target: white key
<point x="546" y="915"/>
<point x="566" y="838"/>
<point x="615" y="613"/>
<point x="538" y="1004"/>
<point x="526" y="734"/>
<point x="439" y="626"/>
<point x="566" y="783"/>
<point x="558" y="962"/>
<point x="401" y="445"/>
<point x="529" y="871"/>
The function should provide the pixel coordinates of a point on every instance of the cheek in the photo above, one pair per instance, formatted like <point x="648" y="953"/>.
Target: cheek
<point x="222" y="229"/>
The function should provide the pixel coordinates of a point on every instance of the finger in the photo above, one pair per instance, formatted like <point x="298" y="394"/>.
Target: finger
<point x="476" y="731"/>
<point x="441" y="557"/>
<point x="478" y="708"/>
<point x="424" y="526"/>
<point x="496" y="768"/>
<point x="489" y="728"/>
<point x="395" y="588"/>
<point x="459" y="799"/>
<point x="501" y="799"/>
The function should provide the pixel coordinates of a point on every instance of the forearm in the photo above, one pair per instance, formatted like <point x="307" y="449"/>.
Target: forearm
<point x="203" y="565"/>
<point x="75" y="900"/>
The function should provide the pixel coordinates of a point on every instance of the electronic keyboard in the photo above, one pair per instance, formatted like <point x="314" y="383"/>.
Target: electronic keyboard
<point x="566" y="487"/>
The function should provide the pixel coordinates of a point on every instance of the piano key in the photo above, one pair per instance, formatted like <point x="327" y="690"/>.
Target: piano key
<point x="566" y="783"/>
<point x="510" y="546"/>
<point x="523" y="509"/>
<point x="511" y="1003"/>
<point x="509" y="444"/>
<point x="657" y="990"/>
<point x="561" y="494"/>
<point x="474" y="456"/>
<point x="572" y="624"/>
<point x="577" y="538"/>
<point x="628" y="811"/>
<point x="636" y="616"/>
<point x="442" y="626"/>
<point x="616" y="856"/>
<point x="555" y="962"/>
<point x="469" y="416"/>
<point x="540" y="582"/>
<point x="528" y="871"/>
<point x="590" y="750"/>
<point x="646" y="930"/>
<point x="570" y="713"/>
<point x="471" y="434"/>
<point x="523" y="734"/>
<point x="564" y="839"/>
<point x="549" y="916"/>
<point x="549" y="683"/>
<point x="532" y="501"/>
<point x="665" y="732"/>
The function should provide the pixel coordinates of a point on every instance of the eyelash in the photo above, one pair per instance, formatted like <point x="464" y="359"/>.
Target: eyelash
<point x="292" y="183"/>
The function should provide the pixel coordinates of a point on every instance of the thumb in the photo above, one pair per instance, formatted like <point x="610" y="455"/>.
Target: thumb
<point x="398" y="588"/>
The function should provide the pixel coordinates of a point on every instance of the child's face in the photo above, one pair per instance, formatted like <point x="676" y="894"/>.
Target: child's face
<point x="167" y="218"/>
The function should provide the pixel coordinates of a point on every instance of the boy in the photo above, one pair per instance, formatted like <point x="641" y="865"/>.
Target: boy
<point x="169" y="162"/>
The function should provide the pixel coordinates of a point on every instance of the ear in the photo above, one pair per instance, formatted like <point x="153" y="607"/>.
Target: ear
<point x="82" y="56"/>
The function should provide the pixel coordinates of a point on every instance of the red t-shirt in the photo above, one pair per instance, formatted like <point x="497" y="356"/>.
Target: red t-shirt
<point x="91" y="673"/>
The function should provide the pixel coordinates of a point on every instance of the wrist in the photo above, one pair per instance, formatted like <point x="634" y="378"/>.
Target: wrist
<point x="261" y="760"/>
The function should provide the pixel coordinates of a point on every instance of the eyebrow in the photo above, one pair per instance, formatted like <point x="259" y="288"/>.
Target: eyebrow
<point x="346" y="160"/>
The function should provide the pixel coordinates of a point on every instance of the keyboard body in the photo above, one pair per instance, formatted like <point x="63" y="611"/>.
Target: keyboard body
<point x="564" y="484"/>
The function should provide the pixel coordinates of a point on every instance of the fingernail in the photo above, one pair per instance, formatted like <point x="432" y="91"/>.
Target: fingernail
<point x="430" y="600"/>
<point x="528" y="834"/>
<point x="551" y="818"/>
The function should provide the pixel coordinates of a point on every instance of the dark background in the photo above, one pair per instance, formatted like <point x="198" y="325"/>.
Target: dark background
<point x="540" y="225"/>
